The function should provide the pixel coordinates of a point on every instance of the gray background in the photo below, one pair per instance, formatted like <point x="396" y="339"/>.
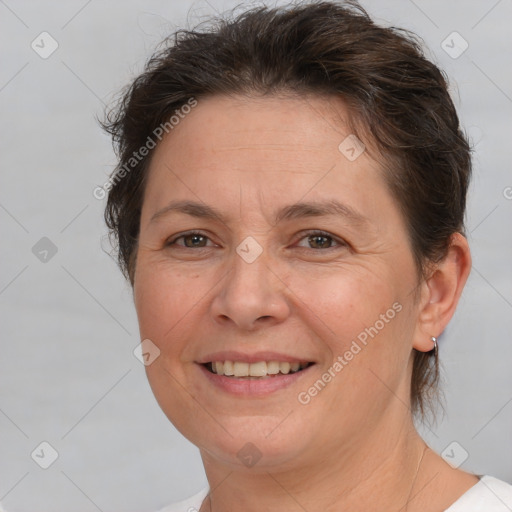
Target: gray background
<point x="67" y="372"/>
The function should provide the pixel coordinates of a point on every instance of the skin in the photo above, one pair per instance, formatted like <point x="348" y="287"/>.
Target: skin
<point x="353" y="446"/>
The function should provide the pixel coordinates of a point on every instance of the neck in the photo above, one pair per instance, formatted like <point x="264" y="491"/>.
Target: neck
<point x="379" y="474"/>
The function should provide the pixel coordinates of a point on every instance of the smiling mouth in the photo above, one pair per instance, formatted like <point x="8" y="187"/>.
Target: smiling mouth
<point x="259" y="370"/>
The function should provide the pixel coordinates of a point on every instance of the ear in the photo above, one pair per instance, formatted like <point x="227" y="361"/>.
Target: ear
<point x="440" y="293"/>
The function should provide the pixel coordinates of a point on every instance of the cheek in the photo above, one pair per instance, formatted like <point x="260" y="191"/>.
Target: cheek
<point x="364" y="319"/>
<point x="164" y="300"/>
<point x="167" y="302"/>
<point x="345" y="301"/>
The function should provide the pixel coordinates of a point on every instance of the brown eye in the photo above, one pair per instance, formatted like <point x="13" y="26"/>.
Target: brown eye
<point x="320" y="241"/>
<point x="195" y="240"/>
<point x="190" y="240"/>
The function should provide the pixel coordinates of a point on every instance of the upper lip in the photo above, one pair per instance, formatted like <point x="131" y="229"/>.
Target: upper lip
<point x="233" y="355"/>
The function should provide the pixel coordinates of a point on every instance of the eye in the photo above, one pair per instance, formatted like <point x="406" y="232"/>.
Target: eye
<point x="190" y="240"/>
<point x="321" y="240"/>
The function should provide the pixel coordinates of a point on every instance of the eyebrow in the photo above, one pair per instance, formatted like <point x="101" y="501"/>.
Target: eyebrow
<point x="191" y="208"/>
<point x="320" y="209"/>
<point x="287" y="213"/>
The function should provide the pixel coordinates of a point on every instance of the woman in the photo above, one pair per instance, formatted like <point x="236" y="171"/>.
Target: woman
<point x="289" y="208"/>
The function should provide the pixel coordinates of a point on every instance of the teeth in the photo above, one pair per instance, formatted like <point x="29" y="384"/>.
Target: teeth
<point x="284" y="368"/>
<point x="259" y="369"/>
<point x="241" y="369"/>
<point x="273" y="368"/>
<point x="228" y="368"/>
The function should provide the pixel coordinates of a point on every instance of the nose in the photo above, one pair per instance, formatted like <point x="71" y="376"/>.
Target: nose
<point x="251" y="296"/>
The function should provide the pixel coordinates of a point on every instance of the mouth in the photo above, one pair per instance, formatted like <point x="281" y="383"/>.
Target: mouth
<point x="255" y="375"/>
<point x="255" y="371"/>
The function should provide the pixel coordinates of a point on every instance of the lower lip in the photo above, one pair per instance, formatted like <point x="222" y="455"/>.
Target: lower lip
<point x="253" y="387"/>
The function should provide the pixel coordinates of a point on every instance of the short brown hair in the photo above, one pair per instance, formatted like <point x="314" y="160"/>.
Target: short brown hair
<point x="397" y="98"/>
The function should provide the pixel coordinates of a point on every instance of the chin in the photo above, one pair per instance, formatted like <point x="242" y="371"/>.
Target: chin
<point x="253" y="442"/>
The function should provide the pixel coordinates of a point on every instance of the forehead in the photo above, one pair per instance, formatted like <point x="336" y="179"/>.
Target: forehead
<point x="263" y="149"/>
<point x="266" y="123"/>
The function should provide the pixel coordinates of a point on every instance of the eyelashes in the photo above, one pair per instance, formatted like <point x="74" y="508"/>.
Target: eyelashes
<point x="191" y="234"/>
<point x="322" y="239"/>
<point x="319" y="235"/>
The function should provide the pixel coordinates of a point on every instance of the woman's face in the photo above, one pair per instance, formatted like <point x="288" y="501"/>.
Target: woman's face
<point x="298" y="254"/>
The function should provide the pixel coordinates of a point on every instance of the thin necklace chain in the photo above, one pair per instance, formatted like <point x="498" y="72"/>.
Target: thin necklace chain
<point x="408" y="497"/>
<point x="415" y="477"/>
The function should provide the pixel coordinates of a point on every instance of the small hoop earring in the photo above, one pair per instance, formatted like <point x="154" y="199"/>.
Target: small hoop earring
<point x="433" y="339"/>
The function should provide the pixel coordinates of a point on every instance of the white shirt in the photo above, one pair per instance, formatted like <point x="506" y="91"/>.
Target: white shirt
<point x="488" y="495"/>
